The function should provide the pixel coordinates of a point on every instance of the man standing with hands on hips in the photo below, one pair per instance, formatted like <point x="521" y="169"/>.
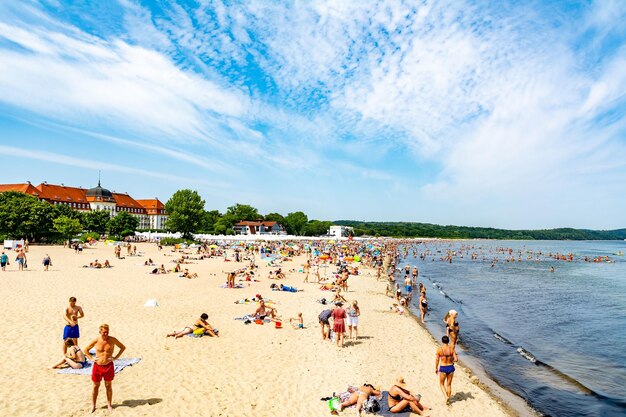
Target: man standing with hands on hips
<point x="103" y="367"/>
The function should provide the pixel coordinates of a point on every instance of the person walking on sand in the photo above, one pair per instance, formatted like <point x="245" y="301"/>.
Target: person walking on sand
<point x="339" y="327"/>
<point x="4" y="261"/>
<point x="103" y="367"/>
<point x="21" y="260"/>
<point x="71" y="315"/>
<point x="46" y="262"/>
<point x="306" y="267"/>
<point x="444" y="366"/>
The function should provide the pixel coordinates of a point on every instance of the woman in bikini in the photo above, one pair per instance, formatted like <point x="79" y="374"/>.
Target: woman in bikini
<point x="201" y="323"/>
<point x="359" y="396"/>
<point x="452" y="326"/>
<point x="400" y="399"/>
<point x="74" y="357"/>
<point x="423" y="305"/>
<point x="444" y="366"/>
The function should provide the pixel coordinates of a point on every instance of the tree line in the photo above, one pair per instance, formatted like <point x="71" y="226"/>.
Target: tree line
<point x="25" y="216"/>
<point x="187" y="215"/>
<point x="410" y="229"/>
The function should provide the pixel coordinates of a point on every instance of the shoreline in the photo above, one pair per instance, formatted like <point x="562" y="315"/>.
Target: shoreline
<point x="514" y="404"/>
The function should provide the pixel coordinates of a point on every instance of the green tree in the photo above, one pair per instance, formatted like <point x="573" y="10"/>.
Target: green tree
<point x="124" y="224"/>
<point x="97" y="221"/>
<point x="25" y="216"/>
<point x="210" y="218"/>
<point x="317" y="228"/>
<point x="67" y="226"/>
<point x="295" y="223"/>
<point x="185" y="212"/>
<point x="67" y="211"/>
<point x="275" y="217"/>
<point x="243" y="212"/>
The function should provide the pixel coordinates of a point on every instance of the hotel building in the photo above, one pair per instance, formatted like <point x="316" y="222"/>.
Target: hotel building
<point x="150" y="212"/>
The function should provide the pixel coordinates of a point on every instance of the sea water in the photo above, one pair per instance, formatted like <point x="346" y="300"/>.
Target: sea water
<point x="557" y="339"/>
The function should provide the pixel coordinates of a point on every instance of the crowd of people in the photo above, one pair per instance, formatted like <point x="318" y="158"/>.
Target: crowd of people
<point x="339" y="320"/>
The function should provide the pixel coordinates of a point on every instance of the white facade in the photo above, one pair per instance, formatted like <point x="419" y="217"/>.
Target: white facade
<point x="157" y="221"/>
<point x="103" y="205"/>
<point x="340" y="231"/>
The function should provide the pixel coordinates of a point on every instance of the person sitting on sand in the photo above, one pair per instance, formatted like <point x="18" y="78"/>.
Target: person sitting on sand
<point x="188" y="274"/>
<point x="279" y="274"/>
<point x="162" y="270"/>
<point x="401" y="400"/>
<point x="106" y="264"/>
<point x="201" y="323"/>
<point x="338" y="297"/>
<point x="397" y="309"/>
<point x="95" y="264"/>
<point x="74" y="357"/>
<point x="299" y="323"/>
<point x="359" y="397"/>
<point x="263" y="311"/>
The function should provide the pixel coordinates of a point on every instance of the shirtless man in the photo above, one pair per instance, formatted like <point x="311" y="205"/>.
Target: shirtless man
<point x="71" y="315"/>
<point x="103" y="366"/>
<point x="264" y="311"/>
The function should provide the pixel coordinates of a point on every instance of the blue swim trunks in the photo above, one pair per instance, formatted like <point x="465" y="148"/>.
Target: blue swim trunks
<point x="409" y="288"/>
<point x="71" y="331"/>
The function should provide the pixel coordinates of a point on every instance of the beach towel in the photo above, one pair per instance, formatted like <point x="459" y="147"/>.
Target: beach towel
<point x="86" y="370"/>
<point x="384" y="405"/>
<point x="250" y="319"/>
<point x="236" y="286"/>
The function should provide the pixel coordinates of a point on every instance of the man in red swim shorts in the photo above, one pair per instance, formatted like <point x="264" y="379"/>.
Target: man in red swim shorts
<point x="103" y="367"/>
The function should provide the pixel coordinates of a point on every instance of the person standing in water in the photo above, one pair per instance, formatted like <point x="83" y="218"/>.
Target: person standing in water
<point x="452" y="326"/>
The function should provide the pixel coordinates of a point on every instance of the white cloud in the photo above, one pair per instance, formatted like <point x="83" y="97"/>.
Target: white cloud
<point x="93" y="164"/>
<point x="506" y="99"/>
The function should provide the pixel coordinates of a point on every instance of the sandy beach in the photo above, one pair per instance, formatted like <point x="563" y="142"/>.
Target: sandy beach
<point x="250" y="370"/>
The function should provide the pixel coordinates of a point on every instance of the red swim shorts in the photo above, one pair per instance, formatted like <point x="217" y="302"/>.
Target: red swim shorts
<point x="103" y="371"/>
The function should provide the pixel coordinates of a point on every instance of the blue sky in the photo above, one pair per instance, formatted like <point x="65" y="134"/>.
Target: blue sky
<point x="463" y="112"/>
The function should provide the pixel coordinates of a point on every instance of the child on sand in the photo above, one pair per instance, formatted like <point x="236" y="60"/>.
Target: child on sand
<point x="299" y="323"/>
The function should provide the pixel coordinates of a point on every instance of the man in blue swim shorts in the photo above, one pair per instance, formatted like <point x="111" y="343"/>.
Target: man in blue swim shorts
<point x="72" y="313"/>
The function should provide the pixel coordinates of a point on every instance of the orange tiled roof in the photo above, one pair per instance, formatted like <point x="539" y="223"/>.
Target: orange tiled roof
<point x="248" y="223"/>
<point x="62" y="193"/>
<point x="124" y="200"/>
<point x="152" y="203"/>
<point x="25" y="188"/>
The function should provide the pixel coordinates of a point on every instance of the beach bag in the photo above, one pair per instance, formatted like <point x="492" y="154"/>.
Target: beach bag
<point x="334" y="404"/>
<point x="371" y="405"/>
